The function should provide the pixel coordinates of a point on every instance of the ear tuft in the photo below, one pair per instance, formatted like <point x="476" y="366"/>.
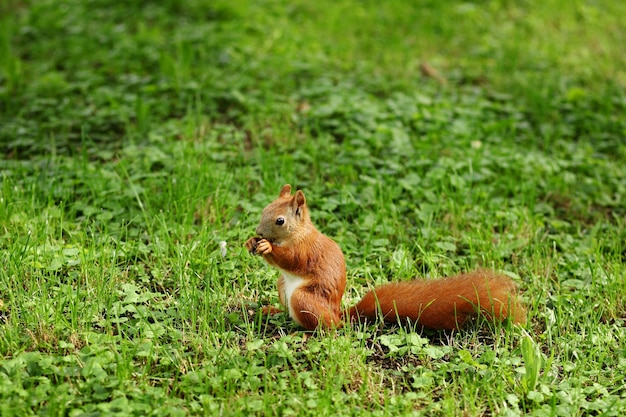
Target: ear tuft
<point x="299" y="199"/>
<point x="285" y="191"/>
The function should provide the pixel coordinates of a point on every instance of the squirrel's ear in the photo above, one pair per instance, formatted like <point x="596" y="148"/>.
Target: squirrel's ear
<point x="299" y="199"/>
<point x="285" y="191"/>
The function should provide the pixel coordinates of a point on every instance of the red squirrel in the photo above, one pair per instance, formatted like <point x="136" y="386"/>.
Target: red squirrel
<point x="313" y="280"/>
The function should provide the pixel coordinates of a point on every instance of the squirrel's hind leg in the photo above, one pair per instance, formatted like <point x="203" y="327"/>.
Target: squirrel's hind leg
<point x="271" y="310"/>
<point x="311" y="311"/>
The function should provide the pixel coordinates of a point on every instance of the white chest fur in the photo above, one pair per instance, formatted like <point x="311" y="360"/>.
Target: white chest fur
<point x="292" y="283"/>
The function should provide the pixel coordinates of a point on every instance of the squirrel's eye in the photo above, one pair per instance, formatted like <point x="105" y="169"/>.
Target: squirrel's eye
<point x="280" y="221"/>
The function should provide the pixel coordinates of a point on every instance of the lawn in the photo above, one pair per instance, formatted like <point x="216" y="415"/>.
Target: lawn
<point x="141" y="140"/>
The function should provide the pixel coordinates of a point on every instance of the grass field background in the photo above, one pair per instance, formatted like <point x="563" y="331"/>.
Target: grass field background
<point x="140" y="139"/>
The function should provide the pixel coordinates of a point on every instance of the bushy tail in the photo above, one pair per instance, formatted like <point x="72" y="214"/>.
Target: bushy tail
<point x="444" y="303"/>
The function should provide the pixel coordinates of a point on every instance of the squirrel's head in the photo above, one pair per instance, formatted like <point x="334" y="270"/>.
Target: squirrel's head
<point x="285" y="218"/>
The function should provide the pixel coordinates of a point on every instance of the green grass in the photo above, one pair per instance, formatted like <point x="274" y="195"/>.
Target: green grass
<point x="136" y="138"/>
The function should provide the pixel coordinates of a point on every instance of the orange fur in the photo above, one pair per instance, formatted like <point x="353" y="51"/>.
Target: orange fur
<point x="315" y="299"/>
<point x="443" y="303"/>
<point x="313" y="279"/>
<point x="299" y="250"/>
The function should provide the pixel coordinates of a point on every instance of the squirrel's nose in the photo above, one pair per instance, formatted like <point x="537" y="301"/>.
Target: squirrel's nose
<point x="258" y="232"/>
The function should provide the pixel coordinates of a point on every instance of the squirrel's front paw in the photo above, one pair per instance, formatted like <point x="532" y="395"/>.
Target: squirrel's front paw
<point x="263" y="247"/>
<point x="251" y="245"/>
